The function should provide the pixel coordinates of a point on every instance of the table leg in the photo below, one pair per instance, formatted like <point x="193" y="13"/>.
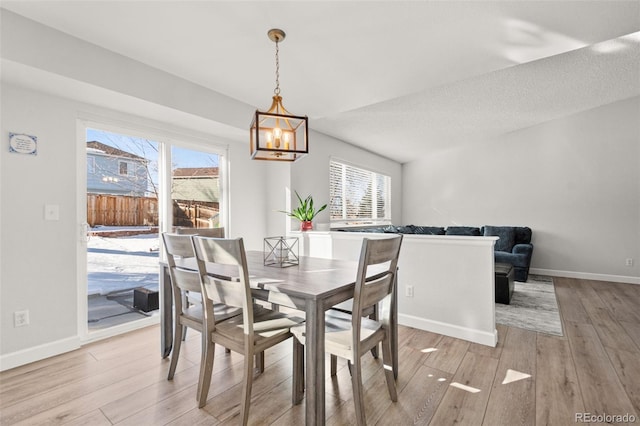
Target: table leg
<point x="166" y="312"/>
<point x="314" y="365"/>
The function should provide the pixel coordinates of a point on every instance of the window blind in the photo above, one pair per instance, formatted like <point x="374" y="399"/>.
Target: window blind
<point x="357" y="195"/>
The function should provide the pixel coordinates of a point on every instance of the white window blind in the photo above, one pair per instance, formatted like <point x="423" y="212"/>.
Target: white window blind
<point x="358" y="195"/>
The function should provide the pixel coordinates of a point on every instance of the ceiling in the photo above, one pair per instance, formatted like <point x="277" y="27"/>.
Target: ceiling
<point x="399" y="78"/>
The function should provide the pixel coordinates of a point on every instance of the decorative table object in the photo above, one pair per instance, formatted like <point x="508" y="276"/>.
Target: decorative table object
<point x="281" y="251"/>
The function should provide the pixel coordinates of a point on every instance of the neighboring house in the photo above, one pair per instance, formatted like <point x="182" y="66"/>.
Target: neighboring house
<point x="114" y="171"/>
<point x="201" y="184"/>
<point x="195" y="192"/>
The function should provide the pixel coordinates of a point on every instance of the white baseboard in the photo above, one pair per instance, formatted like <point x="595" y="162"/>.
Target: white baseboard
<point x="36" y="353"/>
<point x="464" y="333"/>
<point x="586" y="276"/>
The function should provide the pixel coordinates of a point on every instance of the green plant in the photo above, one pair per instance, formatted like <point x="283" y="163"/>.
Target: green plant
<point x="305" y="212"/>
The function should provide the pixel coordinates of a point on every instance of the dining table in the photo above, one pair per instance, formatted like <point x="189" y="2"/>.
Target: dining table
<point x="313" y="286"/>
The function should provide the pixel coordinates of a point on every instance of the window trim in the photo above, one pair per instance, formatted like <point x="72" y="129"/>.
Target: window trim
<point x="355" y="223"/>
<point x="131" y="168"/>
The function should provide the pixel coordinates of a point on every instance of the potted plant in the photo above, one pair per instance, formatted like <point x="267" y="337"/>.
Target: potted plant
<point x="305" y="212"/>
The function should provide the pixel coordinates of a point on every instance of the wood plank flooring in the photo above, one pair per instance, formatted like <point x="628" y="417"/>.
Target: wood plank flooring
<point x="528" y="379"/>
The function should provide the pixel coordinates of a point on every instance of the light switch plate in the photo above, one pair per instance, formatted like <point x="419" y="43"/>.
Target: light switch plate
<point x="51" y="212"/>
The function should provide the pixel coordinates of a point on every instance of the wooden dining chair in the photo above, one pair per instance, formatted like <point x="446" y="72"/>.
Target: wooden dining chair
<point x="179" y="250"/>
<point x="205" y="232"/>
<point x="253" y="332"/>
<point x="352" y="336"/>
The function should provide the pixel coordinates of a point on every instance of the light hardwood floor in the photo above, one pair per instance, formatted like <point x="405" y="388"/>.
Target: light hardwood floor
<point x="528" y="379"/>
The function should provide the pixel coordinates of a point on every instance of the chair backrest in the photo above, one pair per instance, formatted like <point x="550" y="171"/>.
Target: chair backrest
<point x="379" y="256"/>
<point x="232" y="287"/>
<point x="180" y="248"/>
<point x="204" y="232"/>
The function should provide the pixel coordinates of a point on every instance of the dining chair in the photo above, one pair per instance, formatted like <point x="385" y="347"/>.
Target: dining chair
<point x="179" y="250"/>
<point x="205" y="232"/>
<point x="352" y="336"/>
<point x="250" y="333"/>
<point x="369" y="312"/>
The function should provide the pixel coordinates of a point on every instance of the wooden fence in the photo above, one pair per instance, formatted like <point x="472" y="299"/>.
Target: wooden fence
<point x="195" y="214"/>
<point x="125" y="210"/>
<point x="121" y="210"/>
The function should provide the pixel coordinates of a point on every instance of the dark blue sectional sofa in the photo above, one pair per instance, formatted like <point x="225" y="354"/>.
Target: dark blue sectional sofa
<point x="513" y="245"/>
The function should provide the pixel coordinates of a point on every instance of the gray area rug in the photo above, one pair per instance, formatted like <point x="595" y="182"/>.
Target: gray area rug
<point x="533" y="307"/>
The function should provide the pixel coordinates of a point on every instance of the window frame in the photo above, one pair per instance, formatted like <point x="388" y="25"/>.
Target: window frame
<point x="127" y="164"/>
<point x="346" y="222"/>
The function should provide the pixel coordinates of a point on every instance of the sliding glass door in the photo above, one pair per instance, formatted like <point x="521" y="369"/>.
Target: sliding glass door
<point x="122" y="238"/>
<point x="136" y="188"/>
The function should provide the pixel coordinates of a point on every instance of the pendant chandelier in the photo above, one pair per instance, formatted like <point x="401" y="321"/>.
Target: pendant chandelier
<point x="276" y="134"/>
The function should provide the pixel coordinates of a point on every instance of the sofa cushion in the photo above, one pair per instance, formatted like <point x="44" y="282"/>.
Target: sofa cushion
<point x="523" y="235"/>
<point x="506" y="234"/>
<point x="517" y="260"/>
<point x="428" y="230"/>
<point x="463" y="230"/>
<point x="374" y="229"/>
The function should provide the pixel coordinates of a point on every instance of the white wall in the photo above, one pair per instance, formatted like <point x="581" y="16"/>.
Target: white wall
<point x="574" y="181"/>
<point x="278" y="184"/>
<point x="443" y="271"/>
<point x="39" y="263"/>
<point x="310" y="175"/>
<point x="39" y="258"/>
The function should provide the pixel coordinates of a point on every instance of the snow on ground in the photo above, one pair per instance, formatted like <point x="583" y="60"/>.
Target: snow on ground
<point x="122" y="263"/>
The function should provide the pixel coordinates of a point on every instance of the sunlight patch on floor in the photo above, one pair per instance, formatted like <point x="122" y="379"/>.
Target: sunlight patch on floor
<point x="514" y="376"/>
<point x="465" y="387"/>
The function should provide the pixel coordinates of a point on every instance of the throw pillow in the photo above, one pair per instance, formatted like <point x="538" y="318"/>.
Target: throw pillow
<point x="428" y="230"/>
<point x="506" y="234"/>
<point x="407" y="229"/>
<point x="463" y="230"/>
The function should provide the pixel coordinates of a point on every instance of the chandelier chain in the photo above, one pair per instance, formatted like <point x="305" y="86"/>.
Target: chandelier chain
<point x="277" y="89"/>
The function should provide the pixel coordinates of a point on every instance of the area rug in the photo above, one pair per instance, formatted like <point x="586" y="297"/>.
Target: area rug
<point x="533" y="307"/>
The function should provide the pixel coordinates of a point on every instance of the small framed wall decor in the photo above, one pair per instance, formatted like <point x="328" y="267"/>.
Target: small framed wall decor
<point x="19" y="143"/>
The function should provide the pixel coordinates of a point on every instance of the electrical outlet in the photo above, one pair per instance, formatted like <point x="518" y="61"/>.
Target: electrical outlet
<point x="628" y="262"/>
<point x="20" y="318"/>
<point x="408" y="291"/>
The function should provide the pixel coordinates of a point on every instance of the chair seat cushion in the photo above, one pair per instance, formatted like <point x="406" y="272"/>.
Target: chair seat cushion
<point x="223" y="312"/>
<point x="220" y="311"/>
<point x="338" y="333"/>
<point x="193" y="312"/>
<point x="266" y="324"/>
<point x="347" y="307"/>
